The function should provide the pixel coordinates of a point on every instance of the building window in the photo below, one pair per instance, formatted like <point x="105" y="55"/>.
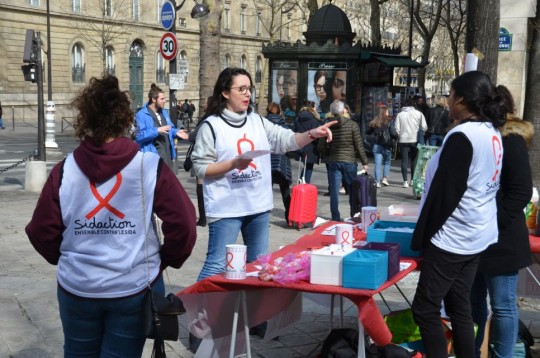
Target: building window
<point x="289" y="26"/>
<point x="258" y="70"/>
<point x="76" y="5"/>
<point x="136" y="10"/>
<point x="109" y="61"/>
<point x="33" y="2"/>
<point x="107" y="7"/>
<point x="77" y="63"/>
<point x="183" y="55"/>
<point x="136" y="50"/>
<point x="182" y="22"/>
<point x="258" y="24"/>
<point x="243" y="20"/>
<point x="243" y="61"/>
<point x="161" y="75"/>
<point x="227" y="19"/>
<point x="227" y="61"/>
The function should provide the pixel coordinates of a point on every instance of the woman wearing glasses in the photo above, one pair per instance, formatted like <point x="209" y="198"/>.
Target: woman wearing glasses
<point x="337" y="91"/>
<point x="237" y="189"/>
<point x="319" y="83"/>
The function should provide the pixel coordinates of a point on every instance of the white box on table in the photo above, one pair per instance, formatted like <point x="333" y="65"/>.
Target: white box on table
<point x="408" y="213"/>
<point x="326" y="265"/>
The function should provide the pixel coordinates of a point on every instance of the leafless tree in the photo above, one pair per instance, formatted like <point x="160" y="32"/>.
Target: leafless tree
<point x="210" y="42"/>
<point x="102" y="23"/>
<point x="454" y="19"/>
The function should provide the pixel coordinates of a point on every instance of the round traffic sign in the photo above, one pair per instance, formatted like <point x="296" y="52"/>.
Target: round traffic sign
<point x="167" y="15"/>
<point x="167" y="46"/>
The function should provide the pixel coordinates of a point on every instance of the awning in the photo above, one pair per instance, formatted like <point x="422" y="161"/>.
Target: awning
<point x="398" y="61"/>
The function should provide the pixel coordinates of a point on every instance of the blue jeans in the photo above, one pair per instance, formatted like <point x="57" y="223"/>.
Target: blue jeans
<point x="504" y="320"/>
<point x="436" y="140"/>
<point x="103" y="327"/>
<point x="336" y="172"/>
<point x="382" y="156"/>
<point x="255" y="232"/>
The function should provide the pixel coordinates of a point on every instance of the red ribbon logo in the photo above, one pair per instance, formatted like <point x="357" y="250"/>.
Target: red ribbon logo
<point x="497" y="154"/>
<point x="372" y="218"/>
<point x="104" y="202"/>
<point x="345" y="237"/>
<point x="230" y="257"/>
<point x="251" y="147"/>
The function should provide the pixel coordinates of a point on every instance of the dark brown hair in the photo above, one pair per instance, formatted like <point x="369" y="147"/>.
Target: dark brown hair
<point x="104" y="110"/>
<point x="154" y="92"/>
<point x="224" y="83"/>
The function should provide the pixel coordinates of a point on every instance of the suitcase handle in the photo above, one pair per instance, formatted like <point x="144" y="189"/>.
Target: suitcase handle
<point x="302" y="179"/>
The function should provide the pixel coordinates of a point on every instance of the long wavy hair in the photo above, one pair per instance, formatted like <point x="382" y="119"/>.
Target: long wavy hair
<point x="481" y="97"/>
<point x="223" y="83"/>
<point x="104" y="110"/>
<point x="381" y="120"/>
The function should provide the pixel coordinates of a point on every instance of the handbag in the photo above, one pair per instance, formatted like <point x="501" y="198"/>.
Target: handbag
<point x="160" y="313"/>
<point x="188" y="164"/>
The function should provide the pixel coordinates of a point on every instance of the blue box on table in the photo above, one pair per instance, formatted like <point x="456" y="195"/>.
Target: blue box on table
<point x="393" y="254"/>
<point x="393" y="231"/>
<point x="365" y="269"/>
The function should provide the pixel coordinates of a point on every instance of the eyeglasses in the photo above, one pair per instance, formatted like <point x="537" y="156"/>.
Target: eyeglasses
<point x="243" y="89"/>
<point x="319" y="88"/>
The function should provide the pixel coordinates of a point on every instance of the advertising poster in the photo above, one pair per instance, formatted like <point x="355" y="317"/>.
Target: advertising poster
<point x="285" y="87"/>
<point x="327" y="82"/>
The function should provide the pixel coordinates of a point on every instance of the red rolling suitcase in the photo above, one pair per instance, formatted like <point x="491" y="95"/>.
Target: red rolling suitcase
<point x="303" y="207"/>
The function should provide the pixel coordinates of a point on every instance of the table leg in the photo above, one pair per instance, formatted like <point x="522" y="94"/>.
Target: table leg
<point x="234" y="326"/>
<point x="361" y="341"/>
<point x="246" y="326"/>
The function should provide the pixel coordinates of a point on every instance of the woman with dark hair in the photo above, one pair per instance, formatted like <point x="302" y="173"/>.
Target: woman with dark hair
<point x="281" y="164"/>
<point x="308" y="119"/>
<point x="458" y="217"/>
<point x="319" y="85"/>
<point x="94" y="220"/>
<point x="499" y="264"/>
<point x="238" y="187"/>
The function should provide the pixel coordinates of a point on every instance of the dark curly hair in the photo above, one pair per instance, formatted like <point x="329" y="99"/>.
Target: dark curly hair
<point x="481" y="97"/>
<point x="224" y="82"/>
<point x="104" y="110"/>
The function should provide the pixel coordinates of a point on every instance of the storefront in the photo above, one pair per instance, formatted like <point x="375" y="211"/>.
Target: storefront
<point x="330" y="67"/>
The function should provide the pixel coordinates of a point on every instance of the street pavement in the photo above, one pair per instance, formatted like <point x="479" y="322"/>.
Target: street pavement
<point x="29" y="320"/>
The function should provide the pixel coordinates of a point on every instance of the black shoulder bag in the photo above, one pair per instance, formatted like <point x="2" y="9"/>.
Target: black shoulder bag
<point x="161" y="313"/>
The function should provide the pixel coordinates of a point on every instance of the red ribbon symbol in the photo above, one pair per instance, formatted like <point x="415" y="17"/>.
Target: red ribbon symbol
<point x="497" y="154"/>
<point x="372" y="218"/>
<point x="104" y="202"/>
<point x="345" y="237"/>
<point x="239" y="148"/>
<point x="229" y="258"/>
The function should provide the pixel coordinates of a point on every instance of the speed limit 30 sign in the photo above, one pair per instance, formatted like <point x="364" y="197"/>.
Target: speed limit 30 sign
<point x="167" y="46"/>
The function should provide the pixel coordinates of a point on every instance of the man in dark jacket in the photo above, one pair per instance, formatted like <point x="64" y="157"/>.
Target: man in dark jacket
<point x="438" y="122"/>
<point x="342" y="152"/>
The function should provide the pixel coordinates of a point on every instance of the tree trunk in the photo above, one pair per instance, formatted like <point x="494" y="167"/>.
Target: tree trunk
<point x="532" y="105"/>
<point x="375" y="23"/>
<point x="483" y="22"/>
<point x="210" y="40"/>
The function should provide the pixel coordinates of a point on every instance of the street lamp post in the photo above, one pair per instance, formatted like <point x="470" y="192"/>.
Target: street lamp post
<point x="198" y="11"/>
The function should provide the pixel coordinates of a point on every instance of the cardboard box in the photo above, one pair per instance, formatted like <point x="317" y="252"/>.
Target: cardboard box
<point x="389" y="231"/>
<point x="365" y="269"/>
<point x="393" y="255"/>
<point x="326" y="265"/>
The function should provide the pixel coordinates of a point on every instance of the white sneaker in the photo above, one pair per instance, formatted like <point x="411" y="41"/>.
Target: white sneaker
<point x="405" y="184"/>
<point x="342" y="190"/>
<point x="378" y="185"/>
<point x="385" y="182"/>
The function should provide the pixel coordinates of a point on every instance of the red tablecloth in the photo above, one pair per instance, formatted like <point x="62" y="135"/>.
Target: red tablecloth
<point x="535" y="244"/>
<point x="369" y="313"/>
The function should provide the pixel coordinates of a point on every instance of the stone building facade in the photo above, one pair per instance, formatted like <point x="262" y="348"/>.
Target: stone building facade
<point x="76" y="27"/>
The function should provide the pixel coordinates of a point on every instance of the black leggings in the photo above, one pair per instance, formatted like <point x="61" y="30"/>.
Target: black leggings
<point x="405" y="149"/>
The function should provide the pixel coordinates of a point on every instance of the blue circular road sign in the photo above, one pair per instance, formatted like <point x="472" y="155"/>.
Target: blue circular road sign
<point x="168" y="15"/>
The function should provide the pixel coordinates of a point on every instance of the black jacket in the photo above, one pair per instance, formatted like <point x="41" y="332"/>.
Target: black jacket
<point x="512" y="252"/>
<point x="438" y="120"/>
<point x="305" y="121"/>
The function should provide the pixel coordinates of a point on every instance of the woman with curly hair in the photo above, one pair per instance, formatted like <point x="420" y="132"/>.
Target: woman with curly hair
<point x="93" y="220"/>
